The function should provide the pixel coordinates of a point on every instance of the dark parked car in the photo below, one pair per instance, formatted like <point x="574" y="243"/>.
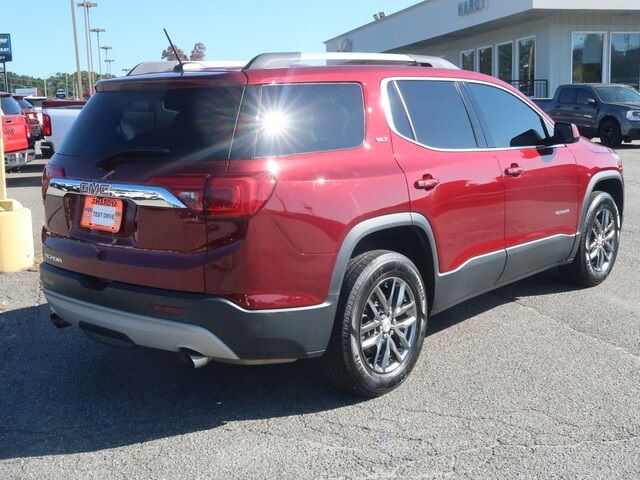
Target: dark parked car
<point x="610" y="112"/>
<point x="282" y="211"/>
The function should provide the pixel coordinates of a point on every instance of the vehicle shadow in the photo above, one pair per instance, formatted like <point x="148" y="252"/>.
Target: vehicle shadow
<point x="24" y="181"/>
<point x="62" y="393"/>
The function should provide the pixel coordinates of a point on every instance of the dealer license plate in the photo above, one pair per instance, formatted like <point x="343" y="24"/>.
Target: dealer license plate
<point x="102" y="213"/>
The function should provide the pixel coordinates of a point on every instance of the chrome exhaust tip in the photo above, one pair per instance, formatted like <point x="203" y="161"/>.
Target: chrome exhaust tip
<point x="194" y="360"/>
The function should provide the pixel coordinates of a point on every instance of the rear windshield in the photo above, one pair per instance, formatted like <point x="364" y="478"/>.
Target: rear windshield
<point x="199" y="123"/>
<point x="36" y="102"/>
<point x="191" y="123"/>
<point x="24" y="104"/>
<point x="10" y="106"/>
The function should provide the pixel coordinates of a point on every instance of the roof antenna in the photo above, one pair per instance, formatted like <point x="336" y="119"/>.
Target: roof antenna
<point x="174" y="51"/>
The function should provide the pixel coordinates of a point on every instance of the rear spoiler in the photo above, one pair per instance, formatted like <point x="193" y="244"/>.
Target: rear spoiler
<point x="63" y="103"/>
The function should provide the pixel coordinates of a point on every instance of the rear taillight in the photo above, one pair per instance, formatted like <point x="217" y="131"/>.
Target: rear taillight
<point x="49" y="172"/>
<point x="46" y="125"/>
<point x="221" y="196"/>
<point x="188" y="188"/>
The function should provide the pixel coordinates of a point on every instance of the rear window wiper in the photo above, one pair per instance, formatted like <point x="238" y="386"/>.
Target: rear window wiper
<point x="131" y="154"/>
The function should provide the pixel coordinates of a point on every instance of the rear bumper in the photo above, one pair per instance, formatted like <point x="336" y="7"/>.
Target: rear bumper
<point x="632" y="132"/>
<point x="171" y="320"/>
<point x="18" y="159"/>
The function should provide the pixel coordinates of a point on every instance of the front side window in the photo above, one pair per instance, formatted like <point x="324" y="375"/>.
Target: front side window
<point x="438" y="114"/>
<point x="505" y="62"/>
<point x="506" y="119"/>
<point x="584" y="95"/>
<point x="527" y="65"/>
<point x="485" y="60"/>
<point x="587" y="57"/>
<point x="468" y="61"/>
<point x="625" y="58"/>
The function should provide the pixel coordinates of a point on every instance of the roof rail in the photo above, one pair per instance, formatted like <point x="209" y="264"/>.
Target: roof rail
<point x="287" y="59"/>
<point x="169" y="66"/>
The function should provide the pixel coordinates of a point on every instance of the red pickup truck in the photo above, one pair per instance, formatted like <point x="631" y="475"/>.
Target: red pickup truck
<point x="15" y="132"/>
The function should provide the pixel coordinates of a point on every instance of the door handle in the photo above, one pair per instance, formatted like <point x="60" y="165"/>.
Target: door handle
<point x="427" y="182"/>
<point x="514" y="170"/>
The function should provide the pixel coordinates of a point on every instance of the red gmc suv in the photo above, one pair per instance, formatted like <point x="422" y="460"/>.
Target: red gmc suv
<point x="284" y="211"/>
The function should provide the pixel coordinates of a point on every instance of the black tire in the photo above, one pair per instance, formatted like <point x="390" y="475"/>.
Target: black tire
<point x="345" y="362"/>
<point x="610" y="133"/>
<point x="582" y="270"/>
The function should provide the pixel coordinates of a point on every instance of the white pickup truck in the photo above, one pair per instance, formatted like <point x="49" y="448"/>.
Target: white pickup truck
<point x="57" y="118"/>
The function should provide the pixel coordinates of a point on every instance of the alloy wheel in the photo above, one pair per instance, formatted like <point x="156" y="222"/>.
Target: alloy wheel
<point x="388" y="325"/>
<point x="602" y="241"/>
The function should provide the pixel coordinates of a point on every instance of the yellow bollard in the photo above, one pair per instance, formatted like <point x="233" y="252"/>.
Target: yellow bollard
<point x="16" y="230"/>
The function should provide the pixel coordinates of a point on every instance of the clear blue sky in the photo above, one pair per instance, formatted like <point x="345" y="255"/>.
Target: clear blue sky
<point x="42" y="38"/>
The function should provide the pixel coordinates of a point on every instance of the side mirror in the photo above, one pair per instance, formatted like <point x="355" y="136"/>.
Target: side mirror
<point x="565" y="133"/>
<point x="591" y="102"/>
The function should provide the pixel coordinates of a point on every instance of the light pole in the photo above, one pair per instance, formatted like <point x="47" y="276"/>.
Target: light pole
<point x="109" y="60"/>
<point x="75" y="43"/>
<point x="98" y="31"/>
<point x="87" y="28"/>
<point x="106" y="49"/>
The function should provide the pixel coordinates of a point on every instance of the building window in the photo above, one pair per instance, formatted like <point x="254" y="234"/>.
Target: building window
<point x="625" y="58"/>
<point x="467" y="60"/>
<point x="505" y="62"/>
<point x="526" y="64"/>
<point x="587" y="53"/>
<point x="485" y="60"/>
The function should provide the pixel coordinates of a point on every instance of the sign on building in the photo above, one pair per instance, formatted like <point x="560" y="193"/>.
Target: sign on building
<point x="467" y="7"/>
<point x="5" y="48"/>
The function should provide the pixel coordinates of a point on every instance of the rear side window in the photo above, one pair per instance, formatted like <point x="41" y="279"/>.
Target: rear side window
<point x="438" y="114"/>
<point x="191" y="123"/>
<point x="304" y="118"/>
<point x="10" y="106"/>
<point x="507" y="121"/>
<point x="567" y="95"/>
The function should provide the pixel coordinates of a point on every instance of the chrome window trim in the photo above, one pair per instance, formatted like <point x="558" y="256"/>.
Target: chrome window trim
<point x="141" y="195"/>
<point x="387" y="111"/>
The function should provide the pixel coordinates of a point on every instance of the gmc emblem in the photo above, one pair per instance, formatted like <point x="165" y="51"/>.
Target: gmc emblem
<point x="94" y="188"/>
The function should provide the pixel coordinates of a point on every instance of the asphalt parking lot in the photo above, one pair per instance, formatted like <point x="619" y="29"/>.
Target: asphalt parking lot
<point x="535" y="380"/>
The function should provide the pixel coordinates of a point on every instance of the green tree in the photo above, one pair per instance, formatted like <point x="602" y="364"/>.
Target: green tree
<point x="169" y="54"/>
<point x="198" y="53"/>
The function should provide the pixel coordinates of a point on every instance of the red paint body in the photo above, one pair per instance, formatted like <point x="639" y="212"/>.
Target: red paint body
<point x="14" y="131"/>
<point x="284" y="255"/>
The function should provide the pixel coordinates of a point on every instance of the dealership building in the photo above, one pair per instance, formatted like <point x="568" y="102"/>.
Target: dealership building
<point x="534" y="44"/>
